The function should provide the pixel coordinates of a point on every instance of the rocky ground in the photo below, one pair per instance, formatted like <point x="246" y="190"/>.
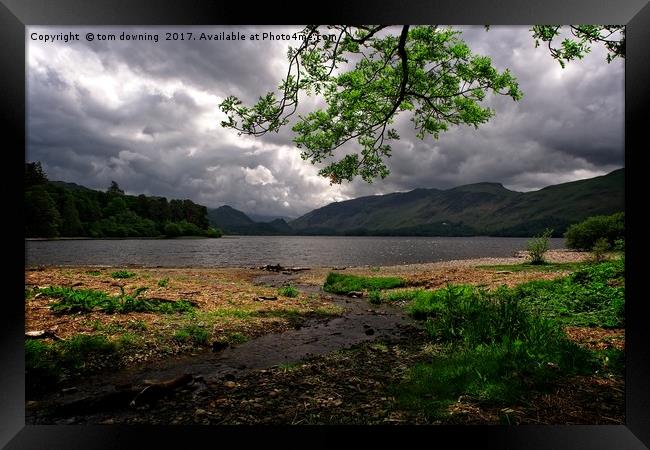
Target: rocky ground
<point x="311" y="359"/>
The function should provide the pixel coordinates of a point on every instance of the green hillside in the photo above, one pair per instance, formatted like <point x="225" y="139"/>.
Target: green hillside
<point x="475" y="209"/>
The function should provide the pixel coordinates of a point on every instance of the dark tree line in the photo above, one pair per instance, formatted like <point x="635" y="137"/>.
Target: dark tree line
<point x="55" y="209"/>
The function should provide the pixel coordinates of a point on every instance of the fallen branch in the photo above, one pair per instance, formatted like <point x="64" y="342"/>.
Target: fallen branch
<point x="123" y="397"/>
<point x="43" y="334"/>
<point x="279" y="268"/>
<point x="155" y="389"/>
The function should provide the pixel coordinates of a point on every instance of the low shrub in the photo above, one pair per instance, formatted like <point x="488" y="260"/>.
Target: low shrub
<point x="538" y="246"/>
<point x="584" y="235"/>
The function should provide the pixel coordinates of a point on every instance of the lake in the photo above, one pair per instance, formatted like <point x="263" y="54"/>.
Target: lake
<point x="245" y="251"/>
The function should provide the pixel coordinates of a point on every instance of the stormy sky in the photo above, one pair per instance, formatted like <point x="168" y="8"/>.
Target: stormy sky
<point x="146" y="115"/>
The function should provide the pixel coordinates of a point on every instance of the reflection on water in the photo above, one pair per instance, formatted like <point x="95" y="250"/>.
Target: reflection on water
<point x="244" y="251"/>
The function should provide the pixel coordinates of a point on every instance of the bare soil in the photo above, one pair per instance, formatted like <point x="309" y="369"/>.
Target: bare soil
<point x="313" y="359"/>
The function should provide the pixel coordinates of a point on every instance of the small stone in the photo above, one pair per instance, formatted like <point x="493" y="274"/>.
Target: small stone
<point x="274" y="394"/>
<point x="217" y="346"/>
<point x="200" y="412"/>
<point x="70" y="390"/>
<point x="230" y="384"/>
<point x="108" y="422"/>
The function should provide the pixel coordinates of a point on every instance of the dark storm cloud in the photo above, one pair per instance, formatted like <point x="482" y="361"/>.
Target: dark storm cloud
<point x="146" y="115"/>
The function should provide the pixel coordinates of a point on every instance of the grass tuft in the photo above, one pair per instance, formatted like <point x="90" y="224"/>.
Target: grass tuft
<point x="123" y="274"/>
<point x="195" y="334"/>
<point x="288" y="291"/>
<point x="337" y="283"/>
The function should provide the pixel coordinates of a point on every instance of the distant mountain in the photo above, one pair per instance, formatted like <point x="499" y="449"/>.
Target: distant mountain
<point x="233" y="221"/>
<point x="267" y="218"/>
<point x="474" y="209"/>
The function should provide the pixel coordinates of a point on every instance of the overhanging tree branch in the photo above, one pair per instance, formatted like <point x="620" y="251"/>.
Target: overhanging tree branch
<point x="425" y="71"/>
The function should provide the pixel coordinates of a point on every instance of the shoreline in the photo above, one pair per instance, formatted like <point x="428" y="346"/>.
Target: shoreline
<point x="553" y="256"/>
<point x="278" y="346"/>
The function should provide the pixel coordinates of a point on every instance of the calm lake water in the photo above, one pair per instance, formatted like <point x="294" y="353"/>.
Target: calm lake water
<point x="245" y="251"/>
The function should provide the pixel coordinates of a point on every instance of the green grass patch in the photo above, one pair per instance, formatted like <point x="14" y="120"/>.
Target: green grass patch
<point x="500" y="345"/>
<point x="288" y="291"/>
<point x="163" y="282"/>
<point x="137" y="325"/>
<point x="86" y="300"/>
<point x="195" y="334"/>
<point x="127" y="341"/>
<point x="48" y="364"/>
<point x="492" y="374"/>
<point x="288" y="367"/>
<point x="337" y="283"/>
<point x="235" y="338"/>
<point x="591" y="296"/>
<point x="374" y="297"/>
<point x="122" y="274"/>
<point x="94" y="273"/>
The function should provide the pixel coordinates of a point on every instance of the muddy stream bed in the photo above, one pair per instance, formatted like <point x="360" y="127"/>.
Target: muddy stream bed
<point x="123" y="391"/>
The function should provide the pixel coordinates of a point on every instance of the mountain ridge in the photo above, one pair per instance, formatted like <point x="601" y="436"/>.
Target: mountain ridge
<point x="484" y="208"/>
<point x="475" y="209"/>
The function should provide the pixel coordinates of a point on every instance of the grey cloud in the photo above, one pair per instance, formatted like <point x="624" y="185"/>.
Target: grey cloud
<point x="164" y="141"/>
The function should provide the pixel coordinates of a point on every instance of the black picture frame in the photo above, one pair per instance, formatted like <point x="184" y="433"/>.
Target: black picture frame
<point x="16" y="14"/>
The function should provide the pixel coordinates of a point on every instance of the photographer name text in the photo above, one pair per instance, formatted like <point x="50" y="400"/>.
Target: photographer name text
<point x="179" y="36"/>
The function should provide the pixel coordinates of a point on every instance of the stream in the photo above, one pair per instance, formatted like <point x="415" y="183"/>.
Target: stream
<point x="360" y="322"/>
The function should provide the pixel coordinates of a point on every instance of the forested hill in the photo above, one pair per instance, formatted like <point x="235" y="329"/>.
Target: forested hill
<point x="59" y="209"/>
<point x="474" y="209"/>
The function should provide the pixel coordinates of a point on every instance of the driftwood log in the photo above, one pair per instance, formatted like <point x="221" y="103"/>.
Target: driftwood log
<point x="43" y="334"/>
<point x="124" y="396"/>
<point x="279" y="268"/>
<point x="155" y="389"/>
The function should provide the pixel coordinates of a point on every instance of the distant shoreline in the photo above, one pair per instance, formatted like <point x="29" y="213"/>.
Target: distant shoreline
<point x="269" y="236"/>
<point x="117" y="238"/>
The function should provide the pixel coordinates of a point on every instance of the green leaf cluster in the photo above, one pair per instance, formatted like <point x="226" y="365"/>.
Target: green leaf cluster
<point x="426" y="71"/>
